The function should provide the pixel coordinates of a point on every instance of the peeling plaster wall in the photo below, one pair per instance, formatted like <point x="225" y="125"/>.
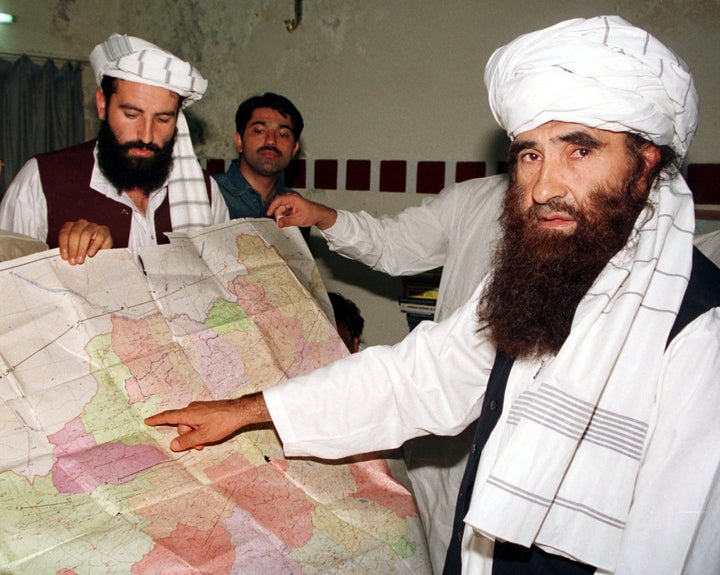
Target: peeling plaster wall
<point x="397" y="79"/>
<point x="375" y="78"/>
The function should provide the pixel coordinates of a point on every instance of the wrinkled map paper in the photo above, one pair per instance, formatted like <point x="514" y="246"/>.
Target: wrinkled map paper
<point x="87" y="352"/>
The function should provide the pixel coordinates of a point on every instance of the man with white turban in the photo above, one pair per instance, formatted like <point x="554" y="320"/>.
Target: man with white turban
<point x="591" y="354"/>
<point x="138" y="180"/>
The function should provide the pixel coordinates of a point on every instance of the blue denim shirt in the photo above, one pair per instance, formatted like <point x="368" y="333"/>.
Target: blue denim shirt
<point x="244" y="201"/>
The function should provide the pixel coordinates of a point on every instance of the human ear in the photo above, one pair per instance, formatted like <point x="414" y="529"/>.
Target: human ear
<point x="101" y="104"/>
<point x="238" y="142"/>
<point x="651" y="157"/>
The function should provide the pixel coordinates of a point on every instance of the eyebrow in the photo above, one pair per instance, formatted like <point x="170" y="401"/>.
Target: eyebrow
<point x="582" y="139"/>
<point x="263" y="123"/>
<point x="577" y="137"/>
<point x="140" y="110"/>
<point x="518" y="146"/>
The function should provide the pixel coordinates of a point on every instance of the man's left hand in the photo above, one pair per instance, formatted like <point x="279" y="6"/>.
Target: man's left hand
<point x="80" y="239"/>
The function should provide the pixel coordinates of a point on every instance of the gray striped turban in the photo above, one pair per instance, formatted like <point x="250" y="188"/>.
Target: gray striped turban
<point x="601" y="72"/>
<point x="134" y="59"/>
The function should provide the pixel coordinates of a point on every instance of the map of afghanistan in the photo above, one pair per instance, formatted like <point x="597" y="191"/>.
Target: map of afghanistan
<point x="87" y="352"/>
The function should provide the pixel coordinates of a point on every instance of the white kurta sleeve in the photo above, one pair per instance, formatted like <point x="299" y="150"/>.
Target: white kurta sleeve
<point x="431" y="382"/>
<point x="24" y="209"/>
<point x="413" y="241"/>
<point x="673" y="521"/>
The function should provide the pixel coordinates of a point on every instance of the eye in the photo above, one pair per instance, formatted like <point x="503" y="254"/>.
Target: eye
<point x="582" y="152"/>
<point x="284" y="134"/>
<point x="528" y="157"/>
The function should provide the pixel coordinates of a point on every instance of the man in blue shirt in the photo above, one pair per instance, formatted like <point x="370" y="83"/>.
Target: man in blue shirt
<point x="267" y="138"/>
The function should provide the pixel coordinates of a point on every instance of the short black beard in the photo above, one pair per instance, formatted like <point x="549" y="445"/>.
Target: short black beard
<point x="126" y="172"/>
<point x="540" y="276"/>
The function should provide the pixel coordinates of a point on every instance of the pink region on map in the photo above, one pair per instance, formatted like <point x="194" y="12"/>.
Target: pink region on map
<point x="218" y="362"/>
<point x="190" y="550"/>
<point x="259" y="550"/>
<point x="82" y="465"/>
<point x="268" y="496"/>
<point x="375" y="483"/>
<point x="66" y="572"/>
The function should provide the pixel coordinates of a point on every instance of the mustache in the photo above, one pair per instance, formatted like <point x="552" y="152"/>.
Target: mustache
<point x="137" y="144"/>
<point x="269" y="149"/>
<point x="556" y="206"/>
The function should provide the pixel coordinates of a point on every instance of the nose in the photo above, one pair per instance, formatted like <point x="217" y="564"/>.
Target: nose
<point x="548" y="184"/>
<point x="270" y="137"/>
<point x="145" y="132"/>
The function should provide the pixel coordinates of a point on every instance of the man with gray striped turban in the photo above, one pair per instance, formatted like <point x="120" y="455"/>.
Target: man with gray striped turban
<point x="138" y="180"/>
<point x="590" y="355"/>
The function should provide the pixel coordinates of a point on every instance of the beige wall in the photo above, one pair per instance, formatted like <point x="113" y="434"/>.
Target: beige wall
<point x="391" y="79"/>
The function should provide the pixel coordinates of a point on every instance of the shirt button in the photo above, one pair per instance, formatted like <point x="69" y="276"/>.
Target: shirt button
<point x="493" y="405"/>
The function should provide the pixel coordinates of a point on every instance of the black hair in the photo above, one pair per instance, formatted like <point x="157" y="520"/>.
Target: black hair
<point x="348" y="313"/>
<point x="273" y="101"/>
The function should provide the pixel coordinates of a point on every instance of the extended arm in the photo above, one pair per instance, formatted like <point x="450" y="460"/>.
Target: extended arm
<point x="204" y="422"/>
<point x="431" y="382"/>
<point x="413" y="241"/>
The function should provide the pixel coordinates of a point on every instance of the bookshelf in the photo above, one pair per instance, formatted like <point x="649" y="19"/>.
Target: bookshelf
<point x="419" y="296"/>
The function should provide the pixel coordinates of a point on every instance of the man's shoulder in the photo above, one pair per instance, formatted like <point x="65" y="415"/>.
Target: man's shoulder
<point x="701" y="295"/>
<point x="231" y="181"/>
<point x="78" y="150"/>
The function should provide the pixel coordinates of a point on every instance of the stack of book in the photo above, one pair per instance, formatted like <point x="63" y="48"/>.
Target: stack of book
<point x="419" y="296"/>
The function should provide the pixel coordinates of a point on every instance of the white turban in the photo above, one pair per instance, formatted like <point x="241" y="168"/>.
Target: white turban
<point x="601" y="72"/>
<point x="134" y="59"/>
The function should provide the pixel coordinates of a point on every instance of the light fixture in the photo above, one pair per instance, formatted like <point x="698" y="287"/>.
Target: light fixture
<point x="6" y="18"/>
<point x="293" y="23"/>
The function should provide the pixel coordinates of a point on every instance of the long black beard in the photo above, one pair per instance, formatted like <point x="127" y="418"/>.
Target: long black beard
<point x="540" y="276"/>
<point x="126" y="172"/>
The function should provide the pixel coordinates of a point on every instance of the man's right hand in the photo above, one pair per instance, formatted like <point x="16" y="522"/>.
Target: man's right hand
<point x="294" y="210"/>
<point x="81" y="239"/>
<point x="205" y="422"/>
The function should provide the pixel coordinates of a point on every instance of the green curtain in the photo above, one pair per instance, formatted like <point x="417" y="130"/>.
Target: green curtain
<point x="41" y="109"/>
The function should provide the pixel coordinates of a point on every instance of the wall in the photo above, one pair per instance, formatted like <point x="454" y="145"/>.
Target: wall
<point x="373" y="79"/>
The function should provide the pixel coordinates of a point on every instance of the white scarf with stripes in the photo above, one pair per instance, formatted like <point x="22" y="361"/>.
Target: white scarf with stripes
<point x="566" y="477"/>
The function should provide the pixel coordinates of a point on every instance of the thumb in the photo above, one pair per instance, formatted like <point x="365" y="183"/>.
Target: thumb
<point x="189" y="440"/>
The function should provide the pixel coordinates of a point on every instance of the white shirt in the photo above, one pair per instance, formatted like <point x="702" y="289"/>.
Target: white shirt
<point x="456" y="229"/>
<point x="673" y="522"/>
<point x="24" y="207"/>
<point x="709" y="244"/>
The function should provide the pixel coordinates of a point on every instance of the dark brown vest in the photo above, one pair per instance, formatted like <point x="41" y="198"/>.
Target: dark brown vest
<point x="65" y="176"/>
